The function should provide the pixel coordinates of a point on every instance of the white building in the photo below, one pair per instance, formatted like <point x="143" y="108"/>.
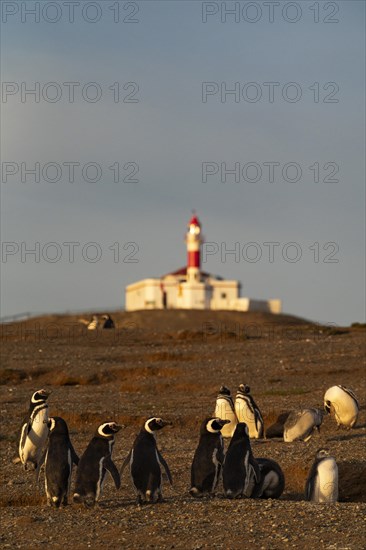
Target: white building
<point x="191" y="288"/>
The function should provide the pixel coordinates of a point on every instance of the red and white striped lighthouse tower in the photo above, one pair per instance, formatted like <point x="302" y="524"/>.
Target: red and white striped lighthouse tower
<point x="193" y="241"/>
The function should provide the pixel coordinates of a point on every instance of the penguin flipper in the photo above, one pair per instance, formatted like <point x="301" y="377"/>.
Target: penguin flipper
<point x="74" y="456"/>
<point x="40" y="463"/>
<point x="110" y="466"/>
<point x="258" y="422"/>
<point x="24" y="430"/>
<point x="125" y="462"/>
<point x="162" y="462"/>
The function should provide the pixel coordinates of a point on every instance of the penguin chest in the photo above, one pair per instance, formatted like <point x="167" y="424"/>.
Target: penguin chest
<point x="326" y="482"/>
<point x="245" y="414"/>
<point x="101" y="478"/>
<point x="225" y="411"/>
<point x="32" y="443"/>
<point x="346" y="411"/>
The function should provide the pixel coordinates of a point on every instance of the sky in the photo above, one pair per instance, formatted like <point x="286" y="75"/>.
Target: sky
<point x="251" y="113"/>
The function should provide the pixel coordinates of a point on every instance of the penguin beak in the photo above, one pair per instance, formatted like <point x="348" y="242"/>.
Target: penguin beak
<point x="166" y="423"/>
<point x="118" y="427"/>
<point x="221" y="422"/>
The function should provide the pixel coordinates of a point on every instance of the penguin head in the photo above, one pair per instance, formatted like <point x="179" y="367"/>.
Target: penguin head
<point x="108" y="429"/>
<point x="322" y="453"/>
<point x="243" y="388"/>
<point x="56" y="424"/>
<point x="327" y="406"/>
<point x="224" y="391"/>
<point x="241" y="431"/>
<point x="154" y="424"/>
<point x="40" y="396"/>
<point x="213" y="425"/>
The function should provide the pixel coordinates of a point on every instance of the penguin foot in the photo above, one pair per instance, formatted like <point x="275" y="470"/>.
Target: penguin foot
<point x="56" y="502"/>
<point x="89" y="501"/>
<point x="77" y="498"/>
<point x="195" y="493"/>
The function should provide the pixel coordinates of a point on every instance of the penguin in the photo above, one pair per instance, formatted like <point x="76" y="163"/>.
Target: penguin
<point x="34" y="431"/>
<point x="225" y="409"/>
<point x="272" y="478"/>
<point x="343" y="404"/>
<point x="107" y="321"/>
<point x="322" y="481"/>
<point x="240" y="473"/>
<point x="94" y="323"/>
<point x="94" y="464"/>
<point x="59" y="458"/>
<point x="208" y="458"/>
<point x="145" y="463"/>
<point x="248" y="411"/>
<point x="301" y="424"/>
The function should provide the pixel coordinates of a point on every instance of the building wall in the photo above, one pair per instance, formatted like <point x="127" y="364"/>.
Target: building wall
<point x="145" y="294"/>
<point x="213" y="294"/>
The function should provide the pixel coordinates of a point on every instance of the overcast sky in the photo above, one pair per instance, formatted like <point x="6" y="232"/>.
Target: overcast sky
<point x="149" y="131"/>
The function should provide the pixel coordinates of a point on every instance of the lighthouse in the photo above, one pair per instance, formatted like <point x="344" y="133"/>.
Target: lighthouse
<point x="190" y="287"/>
<point x="193" y="242"/>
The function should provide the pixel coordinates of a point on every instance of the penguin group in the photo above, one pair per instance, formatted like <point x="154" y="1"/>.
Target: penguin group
<point x="244" y="409"/>
<point x="98" y="322"/>
<point x="45" y="439"/>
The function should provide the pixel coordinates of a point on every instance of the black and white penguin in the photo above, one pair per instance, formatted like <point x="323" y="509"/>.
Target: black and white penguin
<point x="145" y="462"/>
<point x="107" y="321"/>
<point x="60" y="456"/>
<point x="322" y="481"/>
<point x="94" y="464"/>
<point x="272" y="482"/>
<point x="248" y="411"/>
<point x="300" y="425"/>
<point x="241" y="475"/>
<point x="34" y="430"/>
<point x="208" y="458"/>
<point x="225" y="409"/>
<point x="343" y="404"/>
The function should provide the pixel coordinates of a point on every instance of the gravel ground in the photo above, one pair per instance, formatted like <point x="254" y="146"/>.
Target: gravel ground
<point x="171" y="364"/>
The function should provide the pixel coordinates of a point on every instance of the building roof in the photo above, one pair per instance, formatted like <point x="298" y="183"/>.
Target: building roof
<point x="183" y="271"/>
<point x="194" y="220"/>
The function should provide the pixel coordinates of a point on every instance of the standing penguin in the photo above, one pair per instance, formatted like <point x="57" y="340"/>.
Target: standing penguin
<point x="34" y="430"/>
<point x="343" y="403"/>
<point x="248" y="411"/>
<point x="322" y="482"/>
<point x="225" y="409"/>
<point x="301" y="424"/>
<point x="94" y="464"/>
<point x="208" y="458"/>
<point x="241" y="474"/>
<point x="60" y="456"/>
<point x="145" y="462"/>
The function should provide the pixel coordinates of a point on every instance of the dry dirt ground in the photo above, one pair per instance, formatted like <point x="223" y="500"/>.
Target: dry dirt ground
<point x="171" y="364"/>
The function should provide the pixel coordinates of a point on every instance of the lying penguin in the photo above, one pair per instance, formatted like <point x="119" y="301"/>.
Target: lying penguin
<point x="301" y="424"/>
